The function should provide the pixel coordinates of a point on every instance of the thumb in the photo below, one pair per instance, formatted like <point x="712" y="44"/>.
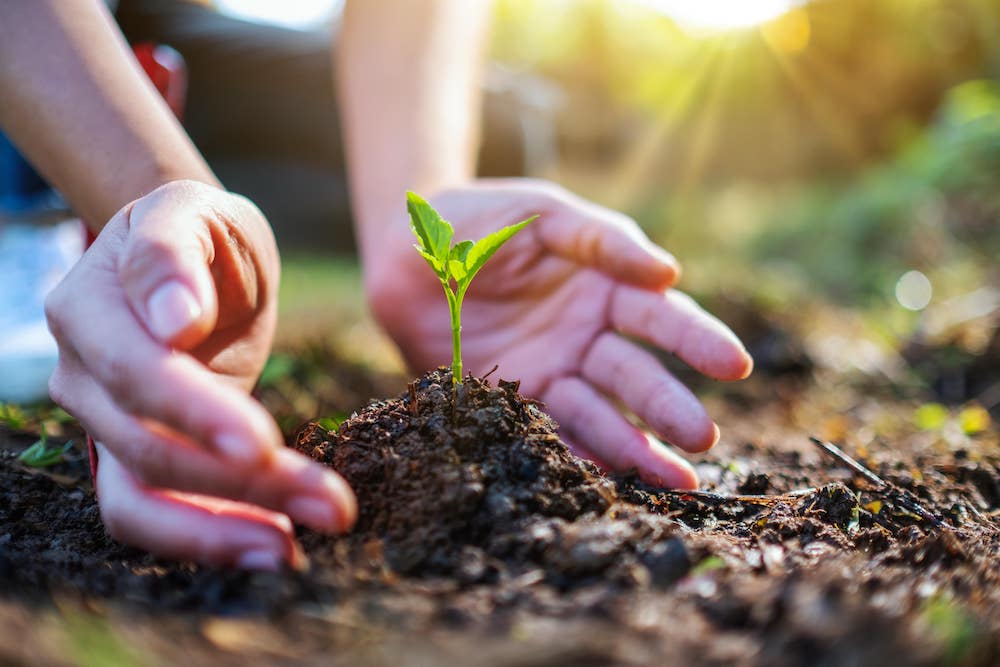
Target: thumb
<point x="165" y="267"/>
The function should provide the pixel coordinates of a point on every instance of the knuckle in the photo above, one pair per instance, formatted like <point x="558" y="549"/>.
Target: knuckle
<point x="589" y="241"/>
<point x="650" y="318"/>
<point x="116" y="376"/>
<point x="59" y="388"/>
<point x="54" y="313"/>
<point x="146" y="461"/>
<point x="550" y="191"/>
<point x="180" y="188"/>
<point x="244" y="209"/>
<point x="621" y="221"/>
<point x="580" y="420"/>
<point x="655" y="410"/>
<point x="603" y="364"/>
<point x="143" y="255"/>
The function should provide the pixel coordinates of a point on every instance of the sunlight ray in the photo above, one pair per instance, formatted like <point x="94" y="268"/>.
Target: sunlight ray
<point x="825" y="108"/>
<point x="705" y="130"/>
<point x="632" y="170"/>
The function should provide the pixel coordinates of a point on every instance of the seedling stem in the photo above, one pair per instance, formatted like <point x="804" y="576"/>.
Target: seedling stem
<point x="454" y="264"/>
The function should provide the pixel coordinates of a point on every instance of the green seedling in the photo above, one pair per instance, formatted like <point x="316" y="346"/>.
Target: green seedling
<point x="42" y="454"/>
<point x="332" y="423"/>
<point x="455" y="265"/>
<point x="12" y="417"/>
<point x="708" y="564"/>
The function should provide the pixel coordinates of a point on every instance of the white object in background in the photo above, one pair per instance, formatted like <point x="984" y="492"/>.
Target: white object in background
<point x="294" y="14"/>
<point x="33" y="259"/>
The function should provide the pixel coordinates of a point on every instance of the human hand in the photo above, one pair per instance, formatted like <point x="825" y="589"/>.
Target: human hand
<point x="555" y="308"/>
<point x="163" y="327"/>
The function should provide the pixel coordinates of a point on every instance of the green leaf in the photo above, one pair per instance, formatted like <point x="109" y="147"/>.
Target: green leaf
<point x="952" y="625"/>
<point x="41" y="455"/>
<point x="460" y="251"/>
<point x="432" y="260"/>
<point x="457" y="270"/>
<point x="456" y="260"/>
<point x="12" y="416"/>
<point x="431" y="229"/>
<point x="333" y="422"/>
<point x="708" y="564"/>
<point x="485" y="247"/>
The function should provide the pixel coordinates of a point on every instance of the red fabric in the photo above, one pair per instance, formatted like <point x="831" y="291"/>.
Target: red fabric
<point x="166" y="69"/>
<point x="92" y="451"/>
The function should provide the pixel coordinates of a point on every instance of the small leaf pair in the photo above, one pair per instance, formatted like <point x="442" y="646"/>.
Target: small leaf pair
<point x="42" y="454"/>
<point x="455" y="265"/>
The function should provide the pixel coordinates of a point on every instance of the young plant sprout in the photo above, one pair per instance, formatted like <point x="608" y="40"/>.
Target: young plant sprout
<point x="42" y="454"/>
<point x="455" y="265"/>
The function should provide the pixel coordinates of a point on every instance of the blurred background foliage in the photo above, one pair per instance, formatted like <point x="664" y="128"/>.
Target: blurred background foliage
<point x="803" y="164"/>
<point x="827" y="168"/>
<point x="844" y="141"/>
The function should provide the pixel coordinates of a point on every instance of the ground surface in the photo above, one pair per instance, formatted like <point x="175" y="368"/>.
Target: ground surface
<point x="481" y="538"/>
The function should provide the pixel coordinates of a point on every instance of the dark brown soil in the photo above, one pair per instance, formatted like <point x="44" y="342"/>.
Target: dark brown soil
<point x="478" y="492"/>
<point x="482" y="539"/>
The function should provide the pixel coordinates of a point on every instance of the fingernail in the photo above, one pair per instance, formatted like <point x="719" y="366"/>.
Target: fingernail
<point x="259" y="559"/>
<point x="237" y="448"/>
<point x="662" y="254"/>
<point x="314" y="512"/>
<point x="172" y="308"/>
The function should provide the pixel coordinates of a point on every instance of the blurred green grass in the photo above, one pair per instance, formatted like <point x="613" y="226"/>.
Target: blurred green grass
<point x="321" y="301"/>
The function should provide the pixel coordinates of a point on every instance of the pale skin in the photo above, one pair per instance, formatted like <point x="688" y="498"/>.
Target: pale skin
<point x="165" y="324"/>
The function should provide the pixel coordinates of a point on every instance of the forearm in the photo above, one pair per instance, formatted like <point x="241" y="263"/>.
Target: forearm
<point x="408" y="82"/>
<point x="76" y="103"/>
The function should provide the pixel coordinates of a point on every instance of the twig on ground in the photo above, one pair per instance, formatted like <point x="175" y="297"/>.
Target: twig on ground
<point x="851" y="463"/>
<point x="904" y="497"/>
<point x="722" y="499"/>
<point x="414" y="406"/>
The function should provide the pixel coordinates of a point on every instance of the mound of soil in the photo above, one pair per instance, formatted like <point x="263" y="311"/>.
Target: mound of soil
<point x="481" y="489"/>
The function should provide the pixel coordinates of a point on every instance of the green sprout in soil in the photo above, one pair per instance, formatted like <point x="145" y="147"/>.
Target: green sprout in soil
<point x="42" y="455"/>
<point x="951" y="626"/>
<point x="12" y="416"/>
<point x="455" y="265"/>
<point x="332" y="423"/>
<point x="708" y="564"/>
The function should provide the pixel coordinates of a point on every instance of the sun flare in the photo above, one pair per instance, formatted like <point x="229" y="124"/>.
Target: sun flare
<point x="722" y="14"/>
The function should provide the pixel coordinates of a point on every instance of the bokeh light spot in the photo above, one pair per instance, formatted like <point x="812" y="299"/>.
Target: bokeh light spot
<point x="913" y="290"/>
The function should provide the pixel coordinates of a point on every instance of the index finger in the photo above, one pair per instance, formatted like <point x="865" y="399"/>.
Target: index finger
<point x="673" y="321"/>
<point x="606" y="240"/>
